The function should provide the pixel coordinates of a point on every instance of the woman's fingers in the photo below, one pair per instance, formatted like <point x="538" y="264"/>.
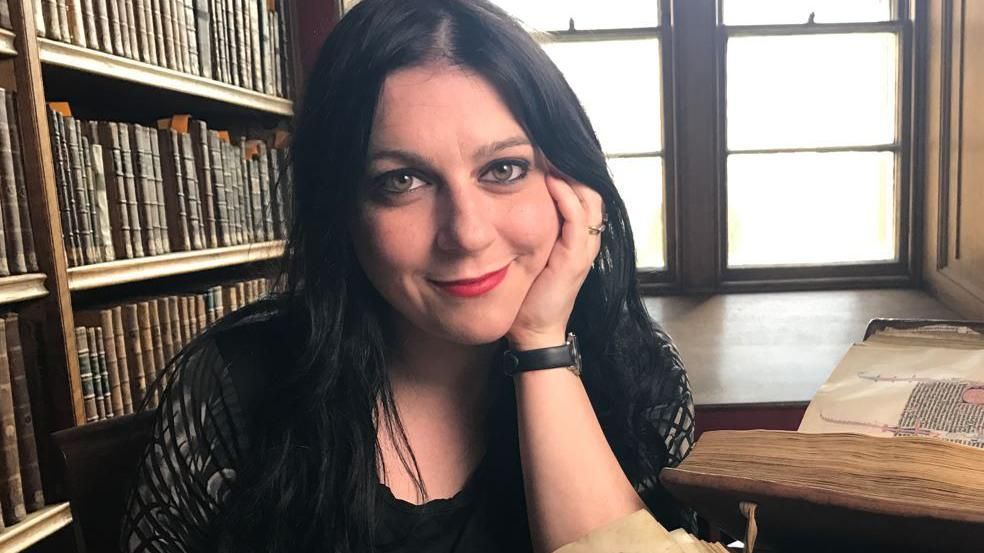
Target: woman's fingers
<point x="579" y="207"/>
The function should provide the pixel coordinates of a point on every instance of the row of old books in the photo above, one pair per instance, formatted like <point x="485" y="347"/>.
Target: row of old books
<point x="17" y="255"/>
<point x="5" y="21"/>
<point x="239" y="42"/>
<point x="127" y="190"/>
<point x="122" y="349"/>
<point x="20" y="476"/>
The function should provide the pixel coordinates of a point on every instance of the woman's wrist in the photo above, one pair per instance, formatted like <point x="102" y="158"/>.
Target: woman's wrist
<point x="537" y="341"/>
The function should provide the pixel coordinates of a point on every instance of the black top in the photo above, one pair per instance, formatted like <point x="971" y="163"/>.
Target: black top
<point x="190" y="467"/>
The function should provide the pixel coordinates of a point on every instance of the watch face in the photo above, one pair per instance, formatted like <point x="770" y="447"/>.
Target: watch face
<point x="575" y="350"/>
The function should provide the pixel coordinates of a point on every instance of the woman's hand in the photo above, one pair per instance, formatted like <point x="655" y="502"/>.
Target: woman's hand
<point x="542" y="318"/>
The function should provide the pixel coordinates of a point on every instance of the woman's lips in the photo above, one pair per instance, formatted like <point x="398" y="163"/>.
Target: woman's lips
<point x="470" y="288"/>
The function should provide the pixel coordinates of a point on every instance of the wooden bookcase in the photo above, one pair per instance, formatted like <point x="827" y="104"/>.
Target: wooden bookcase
<point x="41" y="70"/>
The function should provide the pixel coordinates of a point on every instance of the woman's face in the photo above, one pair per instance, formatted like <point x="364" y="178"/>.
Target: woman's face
<point x="453" y="192"/>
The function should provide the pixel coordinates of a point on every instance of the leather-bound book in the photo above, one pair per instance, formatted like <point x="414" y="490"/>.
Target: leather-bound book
<point x="159" y="48"/>
<point x="147" y="345"/>
<point x="119" y="338"/>
<point x="76" y="22"/>
<point x="27" y="448"/>
<point x="107" y="350"/>
<point x="191" y="28"/>
<point x="85" y="374"/>
<point x="89" y="188"/>
<point x="81" y="205"/>
<point x="132" y="31"/>
<point x="103" y="32"/>
<point x="203" y="28"/>
<point x="99" y="391"/>
<point x="64" y="195"/>
<point x="174" y="324"/>
<point x="155" y="154"/>
<point x="25" y="213"/>
<point x="220" y="62"/>
<point x="144" y="34"/>
<point x="119" y="215"/>
<point x="193" y="202"/>
<point x="266" y="191"/>
<point x="219" y="189"/>
<point x="164" y="323"/>
<point x="172" y="170"/>
<point x="107" y="382"/>
<point x="102" y="206"/>
<point x="130" y="181"/>
<point x="13" y="233"/>
<point x="167" y="18"/>
<point x="255" y="58"/>
<point x="89" y="21"/>
<point x="206" y="188"/>
<point x="184" y="318"/>
<point x="11" y="489"/>
<point x="134" y="354"/>
<point x="156" y="335"/>
<point x="52" y="25"/>
<point x="146" y="190"/>
<point x="115" y="29"/>
<point x="202" y="318"/>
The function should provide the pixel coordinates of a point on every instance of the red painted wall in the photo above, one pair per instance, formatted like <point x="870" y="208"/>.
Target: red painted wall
<point x="315" y="19"/>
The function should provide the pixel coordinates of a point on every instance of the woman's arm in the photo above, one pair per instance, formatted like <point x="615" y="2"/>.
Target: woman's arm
<point x="573" y="481"/>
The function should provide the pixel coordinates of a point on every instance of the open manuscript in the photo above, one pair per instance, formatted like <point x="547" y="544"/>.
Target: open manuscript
<point x="889" y="455"/>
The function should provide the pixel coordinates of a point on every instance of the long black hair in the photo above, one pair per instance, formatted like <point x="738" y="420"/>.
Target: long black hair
<point x="310" y="476"/>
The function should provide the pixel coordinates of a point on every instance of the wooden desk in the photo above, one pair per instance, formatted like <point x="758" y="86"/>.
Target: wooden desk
<point x="755" y="360"/>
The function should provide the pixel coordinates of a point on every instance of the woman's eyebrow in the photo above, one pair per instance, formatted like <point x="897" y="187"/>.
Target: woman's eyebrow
<point x="411" y="158"/>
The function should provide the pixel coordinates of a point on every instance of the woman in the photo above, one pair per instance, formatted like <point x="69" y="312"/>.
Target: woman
<point x="452" y="219"/>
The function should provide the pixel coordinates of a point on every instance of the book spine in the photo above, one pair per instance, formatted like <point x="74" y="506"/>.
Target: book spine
<point x="255" y="199"/>
<point x="218" y="181"/>
<point x="118" y="346"/>
<point x="157" y="338"/>
<point x="62" y="187"/>
<point x="142" y="24"/>
<point x="277" y="47"/>
<point x="14" y="234"/>
<point x="89" y="22"/>
<point x="90" y="194"/>
<point x="183" y="318"/>
<point x="193" y="203"/>
<point x="134" y="353"/>
<point x="145" y="189"/>
<point x="160" y="44"/>
<point x="191" y="27"/>
<point x="103" y="207"/>
<point x="11" y="489"/>
<point x="265" y="191"/>
<point x="26" y="446"/>
<point x="76" y="22"/>
<point x="202" y="318"/>
<point x="106" y="338"/>
<point x="169" y="33"/>
<point x="204" y="35"/>
<point x="62" y="6"/>
<point x="101" y="34"/>
<point x="240" y="58"/>
<point x="130" y="182"/>
<point x="253" y="35"/>
<point x="175" y="326"/>
<point x="171" y="168"/>
<point x="203" y="166"/>
<point x="99" y="389"/>
<point x="115" y="27"/>
<point x="85" y="371"/>
<point x="30" y="253"/>
<point x="180" y="35"/>
<point x="52" y="25"/>
<point x="164" y="321"/>
<point x="119" y="215"/>
<point x="155" y="153"/>
<point x="133" y="30"/>
<point x="77" y="172"/>
<point x="147" y="345"/>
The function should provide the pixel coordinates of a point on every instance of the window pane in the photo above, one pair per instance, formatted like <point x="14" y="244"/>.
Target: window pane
<point x="775" y="12"/>
<point x="811" y="90"/>
<point x="555" y="15"/>
<point x="618" y="82"/>
<point x="811" y="208"/>
<point x="640" y="183"/>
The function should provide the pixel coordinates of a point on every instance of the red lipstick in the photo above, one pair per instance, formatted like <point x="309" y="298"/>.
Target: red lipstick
<point x="472" y="287"/>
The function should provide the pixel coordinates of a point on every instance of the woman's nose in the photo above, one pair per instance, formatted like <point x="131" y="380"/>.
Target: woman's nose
<point x="465" y="218"/>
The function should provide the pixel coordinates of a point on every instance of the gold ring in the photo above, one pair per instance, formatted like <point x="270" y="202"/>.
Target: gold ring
<point x="597" y="230"/>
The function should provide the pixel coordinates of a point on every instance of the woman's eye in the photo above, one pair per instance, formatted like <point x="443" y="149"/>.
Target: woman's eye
<point x="400" y="183"/>
<point x="503" y="172"/>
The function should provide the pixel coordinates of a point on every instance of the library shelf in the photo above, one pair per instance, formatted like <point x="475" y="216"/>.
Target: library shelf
<point x="22" y="287"/>
<point x="86" y="60"/>
<point x="35" y="527"/>
<point x="7" y="43"/>
<point x="99" y="275"/>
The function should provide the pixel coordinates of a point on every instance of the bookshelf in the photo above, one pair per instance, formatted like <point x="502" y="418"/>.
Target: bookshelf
<point x="77" y="58"/>
<point x="7" y="43"/>
<point x="107" y="87"/>
<point x="37" y="526"/>
<point x="20" y="288"/>
<point x="101" y="275"/>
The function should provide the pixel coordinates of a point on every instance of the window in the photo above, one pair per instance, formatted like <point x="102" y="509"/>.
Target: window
<point x="611" y="58"/>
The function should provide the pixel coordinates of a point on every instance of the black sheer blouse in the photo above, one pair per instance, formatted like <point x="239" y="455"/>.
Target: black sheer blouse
<point x="189" y="469"/>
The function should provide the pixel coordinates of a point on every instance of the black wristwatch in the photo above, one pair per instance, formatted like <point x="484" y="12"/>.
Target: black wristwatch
<point x="567" y="355"/>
